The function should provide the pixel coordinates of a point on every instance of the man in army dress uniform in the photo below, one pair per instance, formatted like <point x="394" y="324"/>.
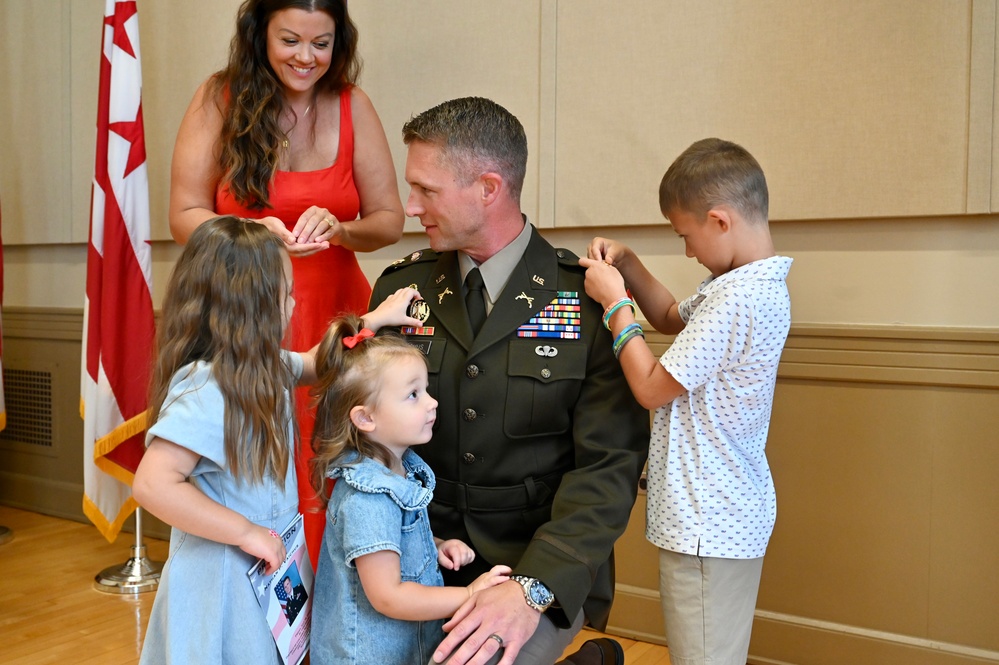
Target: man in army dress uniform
<point x="538" y="445"/>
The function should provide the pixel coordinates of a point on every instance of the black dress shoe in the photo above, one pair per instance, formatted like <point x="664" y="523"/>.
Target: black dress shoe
<point x="610" y="650"/>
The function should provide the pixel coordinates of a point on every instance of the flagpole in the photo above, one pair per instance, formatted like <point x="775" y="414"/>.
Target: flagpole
<point x="137" y="575"/>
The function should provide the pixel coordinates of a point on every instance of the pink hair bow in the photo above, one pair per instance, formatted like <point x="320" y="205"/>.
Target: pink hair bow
<point x="354" y="340"/>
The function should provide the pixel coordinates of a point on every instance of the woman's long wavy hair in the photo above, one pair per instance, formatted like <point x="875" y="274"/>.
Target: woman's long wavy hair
<point x="250" y="97"/>
<point x="349" y="378"/>
<point x="225" y="305"/>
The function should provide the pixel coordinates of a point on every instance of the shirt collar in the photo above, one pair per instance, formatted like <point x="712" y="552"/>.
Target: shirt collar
<point x="496" y="270"/>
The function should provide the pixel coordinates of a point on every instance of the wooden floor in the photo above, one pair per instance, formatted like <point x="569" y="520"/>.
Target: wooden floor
<point x="51" y="614"/>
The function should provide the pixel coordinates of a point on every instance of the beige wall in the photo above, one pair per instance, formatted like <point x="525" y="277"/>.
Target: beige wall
<point x="900" y="468"/>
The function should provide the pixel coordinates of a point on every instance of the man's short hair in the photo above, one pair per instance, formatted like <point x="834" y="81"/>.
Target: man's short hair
<point x="476" y="136"/>
<point x="714" y="172"/>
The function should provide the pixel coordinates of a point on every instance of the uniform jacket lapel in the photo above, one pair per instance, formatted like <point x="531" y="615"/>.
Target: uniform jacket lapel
<point x="532" y="285"/>
<point x="442" y="292"/>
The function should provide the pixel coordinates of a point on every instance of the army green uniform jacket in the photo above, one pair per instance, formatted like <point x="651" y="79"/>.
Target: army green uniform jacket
<point x="538" y="444"/>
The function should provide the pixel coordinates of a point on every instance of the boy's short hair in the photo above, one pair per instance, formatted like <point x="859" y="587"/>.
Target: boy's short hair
<point x="714" y="172"/>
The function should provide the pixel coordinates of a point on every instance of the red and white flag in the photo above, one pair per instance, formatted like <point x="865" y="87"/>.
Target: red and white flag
<point x="118" y="311"/>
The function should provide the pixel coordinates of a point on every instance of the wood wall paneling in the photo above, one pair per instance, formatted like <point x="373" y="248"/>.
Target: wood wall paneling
<point x="452" y="48"/>
<point x="853" y="109"/>
<point x="35" y="117"/>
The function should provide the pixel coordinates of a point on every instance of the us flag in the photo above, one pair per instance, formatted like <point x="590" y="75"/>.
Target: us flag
<point x="282" y="596"/>
<point x="118" y="311"/>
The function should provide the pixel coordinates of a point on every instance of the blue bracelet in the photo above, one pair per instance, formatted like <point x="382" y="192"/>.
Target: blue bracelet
<point x="616" y="305"/>
<point x="630" y="332"/>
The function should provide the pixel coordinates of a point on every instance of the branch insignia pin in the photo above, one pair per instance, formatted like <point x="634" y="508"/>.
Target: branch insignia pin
<point x="524" y="296"/>
<point x="445" y="292"/>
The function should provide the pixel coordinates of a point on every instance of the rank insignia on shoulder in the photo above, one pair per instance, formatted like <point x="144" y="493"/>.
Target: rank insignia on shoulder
<point x="560" y="319"/>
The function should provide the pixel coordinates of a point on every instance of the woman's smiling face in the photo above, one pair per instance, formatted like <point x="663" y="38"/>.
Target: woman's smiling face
<point x="300" y="47"/>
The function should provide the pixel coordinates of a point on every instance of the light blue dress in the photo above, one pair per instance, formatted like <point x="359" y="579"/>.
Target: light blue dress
<point x="205" y="610"/>
<point x="372" y="509"/>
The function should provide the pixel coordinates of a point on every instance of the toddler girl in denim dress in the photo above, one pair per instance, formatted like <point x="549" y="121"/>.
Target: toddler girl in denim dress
<point x="218" y="467"/>
<point x="379" y="596"/>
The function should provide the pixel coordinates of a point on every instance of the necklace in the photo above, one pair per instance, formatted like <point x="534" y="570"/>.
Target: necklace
<point x="287" y="135"/>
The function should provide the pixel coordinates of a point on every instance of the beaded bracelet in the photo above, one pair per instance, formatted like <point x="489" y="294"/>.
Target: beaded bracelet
<point x="625" y="336"/>
<point x="616" y="305"/>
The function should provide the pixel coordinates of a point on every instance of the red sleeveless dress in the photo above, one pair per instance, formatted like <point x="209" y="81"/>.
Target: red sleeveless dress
<point x="327" y="283"/>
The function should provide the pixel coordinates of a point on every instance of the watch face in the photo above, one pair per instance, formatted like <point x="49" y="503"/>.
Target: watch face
<point x="540" y="593"/>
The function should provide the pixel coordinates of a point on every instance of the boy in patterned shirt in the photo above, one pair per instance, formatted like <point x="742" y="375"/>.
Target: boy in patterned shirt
<point x="711" y="501"/>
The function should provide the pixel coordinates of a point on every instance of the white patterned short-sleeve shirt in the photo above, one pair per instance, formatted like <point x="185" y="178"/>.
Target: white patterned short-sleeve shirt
<point x="710" y="489"/>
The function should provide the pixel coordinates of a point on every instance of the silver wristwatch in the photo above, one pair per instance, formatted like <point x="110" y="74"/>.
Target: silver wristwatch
<point x="536" y="593"/>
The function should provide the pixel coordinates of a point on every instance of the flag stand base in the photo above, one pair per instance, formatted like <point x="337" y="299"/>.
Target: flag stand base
<point x="137" y="575"/>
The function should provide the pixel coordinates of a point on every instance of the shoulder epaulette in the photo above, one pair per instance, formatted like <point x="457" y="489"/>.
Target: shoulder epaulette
<point x="566" y="257"/>
<point x="419" y="256"/>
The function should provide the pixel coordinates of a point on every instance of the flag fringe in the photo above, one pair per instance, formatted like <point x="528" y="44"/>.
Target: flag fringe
<point x="115" y="471"/>
<point x="120" y="434"/>
<point x="109" y="530"/>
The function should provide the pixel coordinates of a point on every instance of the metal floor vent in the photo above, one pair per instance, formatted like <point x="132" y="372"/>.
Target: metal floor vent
<point x="28" y="397"/>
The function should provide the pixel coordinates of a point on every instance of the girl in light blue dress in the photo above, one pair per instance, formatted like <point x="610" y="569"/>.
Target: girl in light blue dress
<point x="379" y="596"/>
<point x="218" y="463"/>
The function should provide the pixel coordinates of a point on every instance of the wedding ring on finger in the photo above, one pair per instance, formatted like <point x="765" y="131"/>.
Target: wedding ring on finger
<point x="496" y="637"/>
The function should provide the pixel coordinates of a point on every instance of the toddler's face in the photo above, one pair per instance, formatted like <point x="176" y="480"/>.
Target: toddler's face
<point x="405" y="413"/>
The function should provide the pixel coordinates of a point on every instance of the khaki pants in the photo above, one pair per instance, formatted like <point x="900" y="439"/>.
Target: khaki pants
<point x="708" y="607"/>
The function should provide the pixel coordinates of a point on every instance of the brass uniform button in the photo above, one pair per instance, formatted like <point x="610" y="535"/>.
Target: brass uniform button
<point x="472" y="371"/>
<point x="468" y="458"/>
<point x="469" y="415"/>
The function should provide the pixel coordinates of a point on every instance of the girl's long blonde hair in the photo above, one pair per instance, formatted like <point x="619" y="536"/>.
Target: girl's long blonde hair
<point x="224" y="305"/>
<point x="349" y="378"/>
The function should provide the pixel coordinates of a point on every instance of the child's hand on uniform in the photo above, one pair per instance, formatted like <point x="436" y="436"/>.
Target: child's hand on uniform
<point x="453" y="554"/>
<point x="496" y="575"/>
<point x="393" y="311"/>
<point x="265" y="544"/>
<point x="609" y="251"/>
<point x="603" y="281"/>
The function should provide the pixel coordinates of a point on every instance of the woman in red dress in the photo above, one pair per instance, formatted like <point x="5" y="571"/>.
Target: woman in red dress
<point x="283" y="136"/>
